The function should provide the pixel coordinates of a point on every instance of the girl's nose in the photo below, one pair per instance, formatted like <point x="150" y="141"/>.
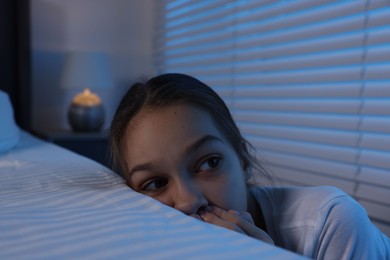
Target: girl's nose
<point x="188" y="198"/>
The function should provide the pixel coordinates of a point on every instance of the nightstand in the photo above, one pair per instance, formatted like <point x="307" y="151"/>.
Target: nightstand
<point x="93" y="145"/>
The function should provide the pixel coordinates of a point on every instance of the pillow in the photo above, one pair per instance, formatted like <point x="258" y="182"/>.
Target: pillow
<point x="9" y="131"/>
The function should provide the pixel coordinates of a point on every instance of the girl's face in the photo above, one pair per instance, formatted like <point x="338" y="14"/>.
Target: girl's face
<point x="178" y="156"/>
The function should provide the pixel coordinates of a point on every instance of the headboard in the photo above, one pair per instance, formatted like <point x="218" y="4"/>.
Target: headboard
<point x="15" y="68"/>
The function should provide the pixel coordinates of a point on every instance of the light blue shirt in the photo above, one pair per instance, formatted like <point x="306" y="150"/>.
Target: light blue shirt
<point x="321" y="223"/>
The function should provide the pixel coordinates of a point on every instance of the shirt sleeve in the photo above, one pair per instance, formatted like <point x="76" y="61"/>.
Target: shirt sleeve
<point x="345" y="232"/>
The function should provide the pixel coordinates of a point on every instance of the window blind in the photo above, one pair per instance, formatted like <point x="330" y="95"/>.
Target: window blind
<point x="308" y="83"/>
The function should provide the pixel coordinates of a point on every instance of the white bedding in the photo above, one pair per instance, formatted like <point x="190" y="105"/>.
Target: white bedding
<point x="57" y="204"/>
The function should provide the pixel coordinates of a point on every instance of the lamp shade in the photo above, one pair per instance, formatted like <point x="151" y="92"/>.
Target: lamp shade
<point x="86" y="70"/>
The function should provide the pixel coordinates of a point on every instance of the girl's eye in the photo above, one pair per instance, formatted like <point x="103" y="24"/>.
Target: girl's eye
<point x="211" y="163"/>
<point x="155" y="184"/>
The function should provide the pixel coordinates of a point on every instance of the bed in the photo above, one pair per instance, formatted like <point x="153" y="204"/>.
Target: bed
<point x="57" y="204"/>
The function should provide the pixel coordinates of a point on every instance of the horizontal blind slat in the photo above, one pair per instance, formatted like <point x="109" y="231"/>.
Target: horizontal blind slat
<point x="225" y="42"/>
<point x="298" y="119"/>
<point x="197" y="50"/>
<point x="249" y="10"/>
<point x="256" y="5"/>
<point x="378" y="54"/>
<point x="342" y="138"/>
<point x="374" y="193"/>
<point x="301" y="90"/>
<point x="375" y="124"/>
<point x="379" y="17"/>
<point x="316" y="166"/>
<point x="378" y="35"/>
<point x="288" y="175"/>
<point x="376" y="89"/>
<point x="378" y="4"/>
<point x="191" y="8"/>
<point x="377" y="72"/>
<point x="335" y="42"/>
<point x="214" y="22"/>
<point x="338" y="58"/>
<point x="379" y="106"/>
<point x="194" y="61"/>
<point x="375" y="159"/>
<point x="346" y="74"/>
<point x="315" y="150"/>
<point x="258" y="22"/>
<point x="298" y="34"/>
<point x="375" y="142"/>
<point x="212" y="37"/>
<point x="374" y="176"/>
<point x="347" y="106"/>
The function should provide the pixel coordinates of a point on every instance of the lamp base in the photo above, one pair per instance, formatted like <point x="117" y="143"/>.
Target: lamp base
<point x="86" y="118"/>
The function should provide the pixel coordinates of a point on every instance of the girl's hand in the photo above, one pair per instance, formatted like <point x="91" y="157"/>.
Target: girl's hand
<point x="241" y="222"/>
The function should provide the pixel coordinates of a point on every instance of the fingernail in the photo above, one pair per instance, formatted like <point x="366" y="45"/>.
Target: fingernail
<point x="198" y="217"/>
<point x="234" y="211"/>
<point x="204" y="216"/>
<point x="195" y="216"/>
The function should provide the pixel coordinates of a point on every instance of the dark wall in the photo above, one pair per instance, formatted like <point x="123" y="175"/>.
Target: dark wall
<point x="15" y="64"/>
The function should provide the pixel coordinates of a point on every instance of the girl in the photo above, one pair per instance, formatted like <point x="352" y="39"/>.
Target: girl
<point x="174" y="139"/>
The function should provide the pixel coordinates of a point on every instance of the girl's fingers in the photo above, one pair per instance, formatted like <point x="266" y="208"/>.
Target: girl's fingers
<point x="196" y="216"/>
<point x="231" y="216"/>
<point x="216" y="220"/>
<point x="234" y="220"/>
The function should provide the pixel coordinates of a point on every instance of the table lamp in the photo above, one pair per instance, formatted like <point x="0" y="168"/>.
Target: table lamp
<point x="86" y="70"/>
